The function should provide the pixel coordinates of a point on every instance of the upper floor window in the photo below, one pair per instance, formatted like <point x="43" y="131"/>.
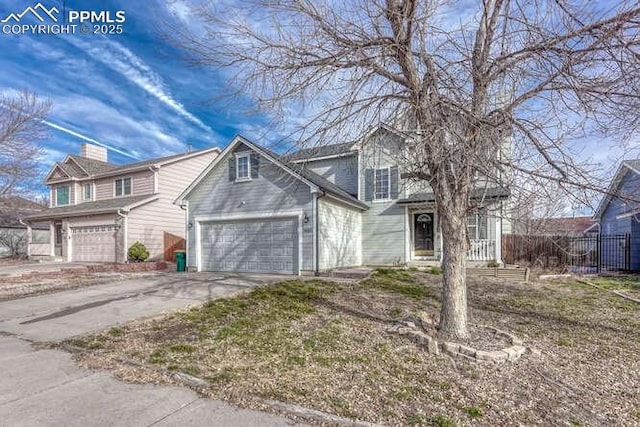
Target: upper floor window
<point x="123" y="187"/>
<point x="381" y="184"/>
<point x="62" y="195"/>
<point x="242" y="167"/>
<point x="87" y="191"/>
<point x="477" y="226"/>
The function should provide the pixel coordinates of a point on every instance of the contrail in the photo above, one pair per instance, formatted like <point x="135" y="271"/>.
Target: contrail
<point x="86" y="138"/>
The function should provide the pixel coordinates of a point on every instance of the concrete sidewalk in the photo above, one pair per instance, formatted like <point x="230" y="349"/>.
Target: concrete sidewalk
<point x="45" y="387"/>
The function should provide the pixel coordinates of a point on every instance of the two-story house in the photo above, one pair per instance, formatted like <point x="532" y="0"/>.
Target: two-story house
<point x="99" y="209"/>
<point x="317" y="209"/>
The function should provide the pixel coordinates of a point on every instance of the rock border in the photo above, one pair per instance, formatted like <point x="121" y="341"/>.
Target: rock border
<point x="512" y="353"/>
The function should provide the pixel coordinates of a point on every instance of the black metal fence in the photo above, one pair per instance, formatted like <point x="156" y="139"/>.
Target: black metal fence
<point x="584" y="254"/>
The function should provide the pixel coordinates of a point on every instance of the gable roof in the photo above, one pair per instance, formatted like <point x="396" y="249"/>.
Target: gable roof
<point x="312" y="179"/>
<point x="93" y="208"/>
<point x="97" y="168"/>
<point x="92" y="166"/>
<point x="625" y="167"/>
<point x="321" y="151"/>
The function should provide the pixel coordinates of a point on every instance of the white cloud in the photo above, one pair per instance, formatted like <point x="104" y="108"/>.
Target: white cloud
<point x="135" y="70"/>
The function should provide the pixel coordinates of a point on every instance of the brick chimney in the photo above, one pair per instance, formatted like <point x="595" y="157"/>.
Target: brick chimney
<point x="94" y="152"/>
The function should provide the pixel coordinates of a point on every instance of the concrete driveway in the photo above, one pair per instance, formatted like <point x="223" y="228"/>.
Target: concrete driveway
<point x="45" y="387"/>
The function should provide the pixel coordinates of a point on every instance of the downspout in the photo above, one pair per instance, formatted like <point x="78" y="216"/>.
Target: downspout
<point x="155" y="169"/>
<point x="316" y="228"/>
<point x="123" y="214"/>
<point x="185" y="207"/>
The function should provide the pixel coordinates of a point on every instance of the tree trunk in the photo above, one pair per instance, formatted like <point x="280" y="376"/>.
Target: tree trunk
<point x="453" y="314"/>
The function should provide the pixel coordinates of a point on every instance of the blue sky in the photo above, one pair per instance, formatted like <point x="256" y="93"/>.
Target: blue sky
<point x="130" y="92"/>
<point x="134" y="94"/>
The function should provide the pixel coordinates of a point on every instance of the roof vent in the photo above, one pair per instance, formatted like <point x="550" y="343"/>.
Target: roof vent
<point x="94" y="152"/>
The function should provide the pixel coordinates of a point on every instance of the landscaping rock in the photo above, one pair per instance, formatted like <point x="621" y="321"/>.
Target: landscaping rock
<point x="450" y="347"/>
<point x="471" y="352"/>
<point x="403" y="330"/>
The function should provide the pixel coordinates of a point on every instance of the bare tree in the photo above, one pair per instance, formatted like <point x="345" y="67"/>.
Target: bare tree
<point x="21" y="129"/>
<point x="533" y="74"/>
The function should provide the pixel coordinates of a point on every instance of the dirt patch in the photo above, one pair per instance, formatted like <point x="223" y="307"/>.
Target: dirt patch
<point x="325" y="346"/>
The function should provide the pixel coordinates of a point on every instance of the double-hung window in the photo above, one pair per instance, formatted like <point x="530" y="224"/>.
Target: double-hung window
<point x="62" y="195"/>
<point x="381" y="184"/>
<point x="477" y="226"/>
<point x="87" y="190"/>
<point x="242" y="167"/>
<point x="123" y="187"/>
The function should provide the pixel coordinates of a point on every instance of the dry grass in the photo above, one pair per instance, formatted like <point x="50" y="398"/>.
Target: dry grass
<point x="324" y="346"/>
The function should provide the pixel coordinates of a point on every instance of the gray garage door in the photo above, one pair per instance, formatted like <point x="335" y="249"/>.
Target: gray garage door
<point x="257" y="246"/>
<point x="94" y="243"/>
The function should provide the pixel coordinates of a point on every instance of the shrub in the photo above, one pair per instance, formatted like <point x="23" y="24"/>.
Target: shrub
<point x="138" y="252"/>
<point x="434" y="270"/>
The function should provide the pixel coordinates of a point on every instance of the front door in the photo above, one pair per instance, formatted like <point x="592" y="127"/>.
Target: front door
<point x="58" y="242"/>
<point x="423" y="234"/>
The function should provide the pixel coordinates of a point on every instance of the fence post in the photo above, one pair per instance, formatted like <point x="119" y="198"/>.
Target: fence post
<point x="599" y="257"/>
<point x="627" y="252"/>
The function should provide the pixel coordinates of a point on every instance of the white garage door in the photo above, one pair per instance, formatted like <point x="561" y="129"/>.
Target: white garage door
<point x="257" y="246"/>
<point x="94" y="243"/>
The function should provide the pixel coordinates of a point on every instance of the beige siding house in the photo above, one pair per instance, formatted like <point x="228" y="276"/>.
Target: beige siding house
<point x="99" y="209"/>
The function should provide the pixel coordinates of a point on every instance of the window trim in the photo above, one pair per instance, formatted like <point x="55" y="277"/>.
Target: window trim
<point x="91" y="191"/>
<point x="243" y="155"/>
<point x="375" y="172"/>
<point x="476" y="225"/>
<point x="68" y="187"/>
<point x="115" y="186"/>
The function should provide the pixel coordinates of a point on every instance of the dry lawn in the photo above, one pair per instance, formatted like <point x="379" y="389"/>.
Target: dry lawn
<point x="324" y="346"/>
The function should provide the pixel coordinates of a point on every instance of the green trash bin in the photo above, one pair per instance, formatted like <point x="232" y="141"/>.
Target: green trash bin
<point x="181" y="260"/>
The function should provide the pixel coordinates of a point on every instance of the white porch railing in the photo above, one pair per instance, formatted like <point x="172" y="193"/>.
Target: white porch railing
<point x="482" y="250"/>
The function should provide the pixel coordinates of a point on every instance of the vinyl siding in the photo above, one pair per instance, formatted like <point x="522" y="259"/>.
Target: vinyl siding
<point x="148" y="223"/>
<point x="383" y="225"/>
<point x="342" y="171"/>
<point x="272" y="191"/>
<point x="339" y="234"/>
<point x="629" y="188"/>
<point x="141" y="183"/>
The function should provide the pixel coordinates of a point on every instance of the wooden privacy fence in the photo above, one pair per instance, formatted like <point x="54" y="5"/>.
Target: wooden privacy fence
<point x="580" y="253"/>
<point x="172" y="243"/>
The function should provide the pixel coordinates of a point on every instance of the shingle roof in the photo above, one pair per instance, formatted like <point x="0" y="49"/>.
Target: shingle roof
<point x="325" y="185"/>
<point x="100" y="206"/>
<point x="93" y="166"/>
<point x="12" y="208"/>
<point x="476" y="194"/>
<point x="319" y="151"/>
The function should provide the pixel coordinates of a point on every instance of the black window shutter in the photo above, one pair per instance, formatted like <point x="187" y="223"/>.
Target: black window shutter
<point x="368" y="185"/>
<point x="255" y="164"/>
<point x="393" y="182"/>
<point x="232" y="169"/>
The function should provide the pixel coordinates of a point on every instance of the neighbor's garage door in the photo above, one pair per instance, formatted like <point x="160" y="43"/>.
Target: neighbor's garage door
<point x="257" y="246"/>
<point x="94" y="243"/>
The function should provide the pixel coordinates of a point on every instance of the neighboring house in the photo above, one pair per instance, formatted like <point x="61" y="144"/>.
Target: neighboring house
<point x="99" y="209"/>
<point x="562" y="226"/>
<point x="619" y="214"/>
<point x="13" y="233"/>
<point x="341" y="205"/>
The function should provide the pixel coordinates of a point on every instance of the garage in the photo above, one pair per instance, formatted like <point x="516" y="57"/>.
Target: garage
<point x="253" y="246"/>
<point x="95" y="243"/>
